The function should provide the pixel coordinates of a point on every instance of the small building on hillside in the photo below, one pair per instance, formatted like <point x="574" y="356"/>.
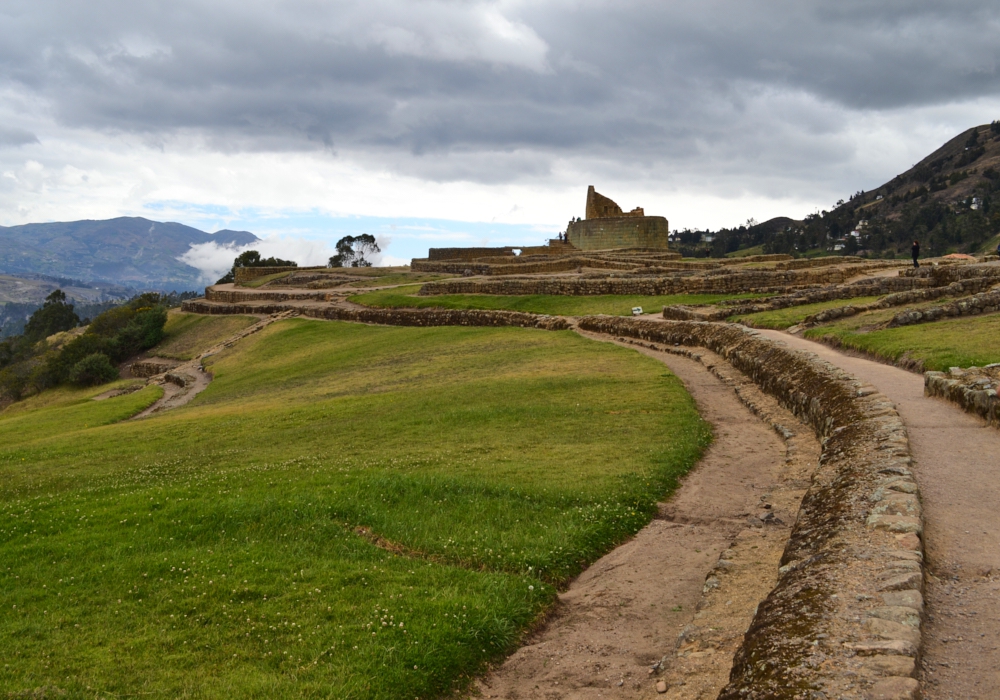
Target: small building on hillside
<point x="607" y="227"/>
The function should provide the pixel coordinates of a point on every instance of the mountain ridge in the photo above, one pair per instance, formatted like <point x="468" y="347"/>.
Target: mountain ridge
<point x="127" y="250"/>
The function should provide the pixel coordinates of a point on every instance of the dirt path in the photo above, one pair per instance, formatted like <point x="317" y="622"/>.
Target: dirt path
<point x="957" y="464"/>
<point x="624" y="613"/>
<point x="185" y="381"/>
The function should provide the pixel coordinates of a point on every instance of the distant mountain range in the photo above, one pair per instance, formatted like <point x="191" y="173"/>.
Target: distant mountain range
<point x="128" y="251"/>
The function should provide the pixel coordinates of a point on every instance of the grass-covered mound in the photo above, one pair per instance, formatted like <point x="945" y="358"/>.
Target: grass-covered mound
<point x="555" y="304"/>
<point x="959" y="342"/>
<point x="229" y="548"/>
<point x="186" y="335"/>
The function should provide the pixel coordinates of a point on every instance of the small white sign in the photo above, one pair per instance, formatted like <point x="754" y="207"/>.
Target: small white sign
<point x="637" y="311"/>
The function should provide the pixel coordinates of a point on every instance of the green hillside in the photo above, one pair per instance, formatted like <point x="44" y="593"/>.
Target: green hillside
<point x="128" y="250"/>
<point x="347" y="511"/>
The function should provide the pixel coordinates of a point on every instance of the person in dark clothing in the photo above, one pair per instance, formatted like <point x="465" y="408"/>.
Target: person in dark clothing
<point x="915" y="252"/>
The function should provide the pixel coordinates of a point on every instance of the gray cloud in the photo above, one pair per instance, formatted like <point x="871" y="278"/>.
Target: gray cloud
<point x="495" y="92"/>
<point x="12" y="136"/>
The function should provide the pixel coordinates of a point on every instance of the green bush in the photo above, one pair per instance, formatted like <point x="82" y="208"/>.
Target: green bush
<point x="92" y="370"/>
<point x="143" y="331"/>
<point x="55" y="316"/>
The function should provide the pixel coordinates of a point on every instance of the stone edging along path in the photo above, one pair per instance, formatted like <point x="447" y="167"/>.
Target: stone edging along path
<point x="844" y="618"/>
<point x="848" y="603"/>
<point x="974" y="389"/>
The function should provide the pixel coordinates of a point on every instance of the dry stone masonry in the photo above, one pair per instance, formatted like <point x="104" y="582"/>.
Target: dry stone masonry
<point x="731" y="282"/>
<point x="390" y="317"/>
<point x="975" y="389"/>
<point x="844" y="618"/>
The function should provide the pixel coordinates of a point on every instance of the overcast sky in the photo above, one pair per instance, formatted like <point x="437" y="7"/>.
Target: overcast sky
<point x="466" y="121"/>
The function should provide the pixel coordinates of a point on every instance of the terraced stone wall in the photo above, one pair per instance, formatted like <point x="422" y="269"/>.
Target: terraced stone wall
<point x="804" y="263"/>
<point x="562" y="264"/>
<point x="389" y="317"/>
<point x="844" y="619"/>
<point x="987" y="302"/>
<point x="243" y="275"/>
<point x="468" y="253"/>
<point x="974" y="389"/>
<point x="237" y="296"/>
<point x="941" y="275"/>
<point x="731" y="282"/>
<point x="873" y="287"/>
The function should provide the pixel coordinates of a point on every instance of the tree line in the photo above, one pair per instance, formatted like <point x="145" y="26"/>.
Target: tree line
<point x="39" y="358"/>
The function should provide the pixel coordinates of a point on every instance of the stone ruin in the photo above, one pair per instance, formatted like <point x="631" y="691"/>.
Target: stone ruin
<point x="607" y="227"/>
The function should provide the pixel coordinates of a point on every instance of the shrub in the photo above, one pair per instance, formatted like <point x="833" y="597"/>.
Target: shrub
<point x="251" y="258"/>
<point x="55" y="316"/>
<point x="143" y="331"/>
<point x="92" y="370"/>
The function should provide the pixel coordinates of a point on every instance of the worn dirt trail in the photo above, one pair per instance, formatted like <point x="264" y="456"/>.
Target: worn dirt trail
<point x="183" y="382"/>
<point x="957" y="464"/>
<point x="624" y="613"/>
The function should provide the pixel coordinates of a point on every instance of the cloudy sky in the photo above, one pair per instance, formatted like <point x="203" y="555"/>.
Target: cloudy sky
<point x="432" y="122"/>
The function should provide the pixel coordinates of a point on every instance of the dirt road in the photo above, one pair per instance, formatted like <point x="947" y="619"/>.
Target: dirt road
<point x="957" y="464"/>
<point x="624" y="613"/>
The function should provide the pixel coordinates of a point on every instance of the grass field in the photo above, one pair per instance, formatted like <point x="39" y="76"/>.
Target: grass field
<point x="786" y="318"/>
<point x="228" y="548"/>
<point x="961" y="342"/>
<point x="189" y="334"/>
<point x="558" y="305"/>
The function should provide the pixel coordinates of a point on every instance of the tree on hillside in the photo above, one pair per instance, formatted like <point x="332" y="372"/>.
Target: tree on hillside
<point x="55" y="316"/>
<point x="352" y="251"/>
<point x="251" y="258"/>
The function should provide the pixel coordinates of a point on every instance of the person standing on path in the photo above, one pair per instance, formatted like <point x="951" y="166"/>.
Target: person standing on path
<point x="915" y="252"/>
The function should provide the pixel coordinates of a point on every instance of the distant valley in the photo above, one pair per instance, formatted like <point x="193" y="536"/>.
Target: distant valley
<point x="128" y="251"/>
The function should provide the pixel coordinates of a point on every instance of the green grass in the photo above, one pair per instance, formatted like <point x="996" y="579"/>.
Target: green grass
<point x="189" y="334"/>
<point x="554" y="304"/>
<point x="401" y="278"/>
<point x="990" y="246"/>
<point x="786" y="318"/>
<point x="264" y="279"/>
<point x="960" y="342"/>
<point x="214" y="550"/>
<point x="746" y="252"/>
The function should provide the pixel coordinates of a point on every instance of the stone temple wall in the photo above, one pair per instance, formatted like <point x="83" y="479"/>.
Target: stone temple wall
<point x="619" y="232"/>
<point x="467" y="253"/>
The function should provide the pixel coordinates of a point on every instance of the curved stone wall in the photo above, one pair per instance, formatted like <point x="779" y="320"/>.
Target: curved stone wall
<point x="389" y="317"/>
<point x="844" y="618"/>
<point x="727" y="282"/>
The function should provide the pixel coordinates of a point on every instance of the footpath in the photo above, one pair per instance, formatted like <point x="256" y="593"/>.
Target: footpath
<point x="663" y="614"/>
<point x="957" y="465"/>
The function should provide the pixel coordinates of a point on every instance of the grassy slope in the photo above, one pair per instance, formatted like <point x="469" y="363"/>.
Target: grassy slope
<point x="560" y="305"/>
<point x="786" y="318"/>
<point x="211" y="551"/>
<point x="189" y="334"/>
<point x="264" y="279"/>
<point x="961" y="342"/>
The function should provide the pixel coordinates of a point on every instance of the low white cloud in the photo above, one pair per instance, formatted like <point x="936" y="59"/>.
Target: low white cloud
<point x="214" y="260"/>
